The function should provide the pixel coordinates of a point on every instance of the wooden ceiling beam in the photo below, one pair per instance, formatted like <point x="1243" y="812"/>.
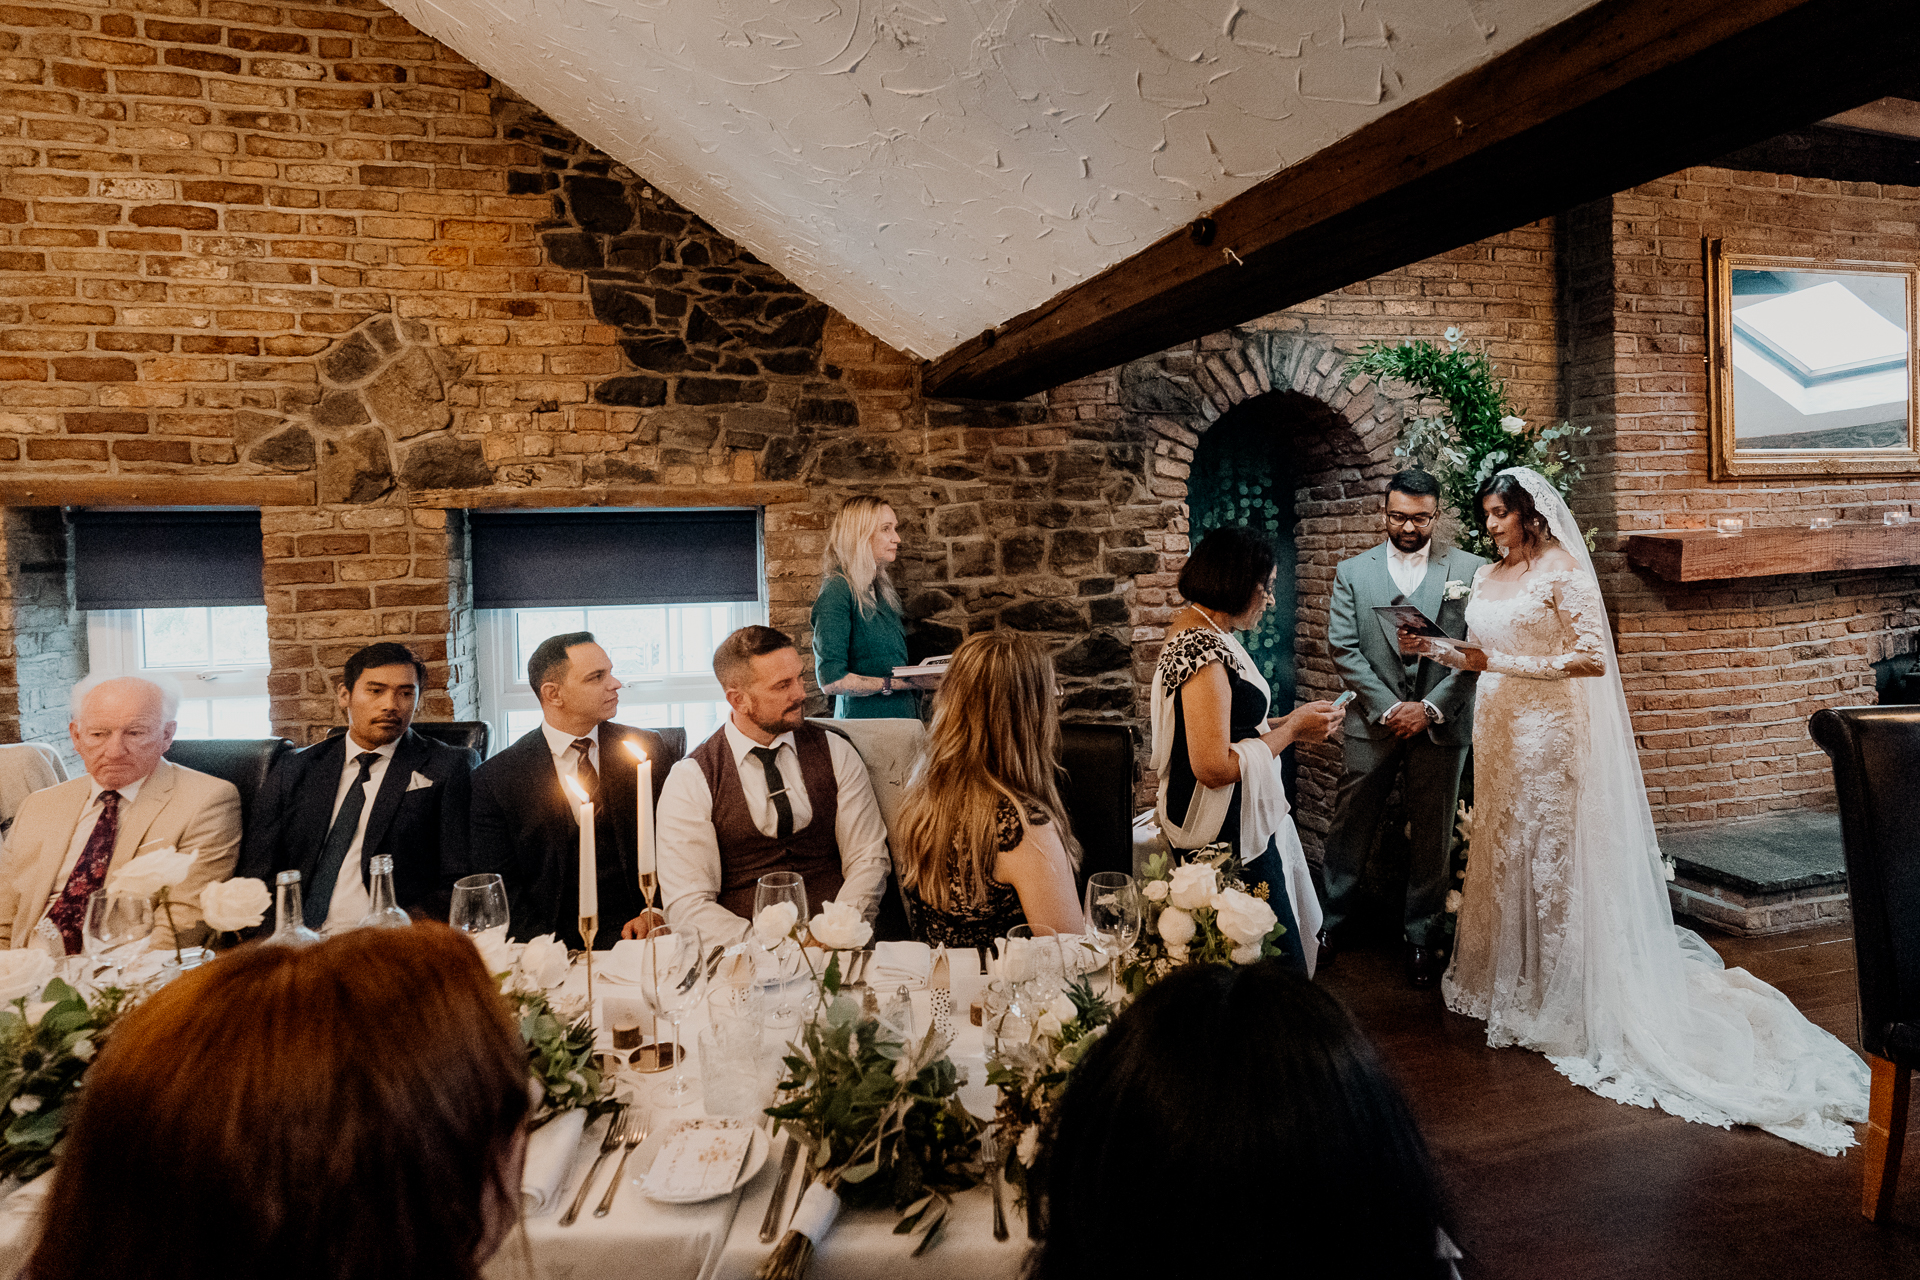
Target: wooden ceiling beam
<point x="1621" y="93"/>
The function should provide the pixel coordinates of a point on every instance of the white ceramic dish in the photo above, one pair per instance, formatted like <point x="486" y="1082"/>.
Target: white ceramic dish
<point x="756" y="1158"/>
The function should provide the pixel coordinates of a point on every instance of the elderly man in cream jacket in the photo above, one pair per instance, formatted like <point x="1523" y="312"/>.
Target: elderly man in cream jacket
<point x="67" y="841"/>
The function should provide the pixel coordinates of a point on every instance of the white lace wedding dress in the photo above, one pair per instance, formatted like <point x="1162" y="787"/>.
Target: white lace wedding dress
<point x="1565" y="942"/>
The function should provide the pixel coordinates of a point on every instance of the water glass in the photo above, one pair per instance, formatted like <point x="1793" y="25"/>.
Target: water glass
<point x="670" y="980"/>
<point x="733" y="1083"/>
<point x="776" y="887"/>
<point x="1114" y="911"/>
<point x="479" y="904"/>
<point x="114" y="922"/>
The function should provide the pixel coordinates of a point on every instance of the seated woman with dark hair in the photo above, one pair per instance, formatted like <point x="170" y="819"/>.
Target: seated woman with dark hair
<point x="1242" y="1110"/>
<point x="982" y="838"/>
<point x="1215" y="745"/>
<point x="347" y="1111"/>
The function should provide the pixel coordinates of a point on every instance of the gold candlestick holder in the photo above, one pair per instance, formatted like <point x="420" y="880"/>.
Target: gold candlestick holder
<point x="650" y="1059"/>
<point x="589" y="930"/>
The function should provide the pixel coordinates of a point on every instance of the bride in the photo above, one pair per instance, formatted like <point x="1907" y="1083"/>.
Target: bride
<point x="1566" y="942"/>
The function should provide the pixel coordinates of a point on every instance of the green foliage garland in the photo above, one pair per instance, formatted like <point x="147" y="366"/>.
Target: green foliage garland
<point x="42" y="1061"/>
<point x="1475" y="434"/>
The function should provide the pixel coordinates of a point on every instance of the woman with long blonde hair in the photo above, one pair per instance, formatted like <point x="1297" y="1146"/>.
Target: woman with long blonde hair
<point x="858" y="634"/>
<point x="983" y="838"/>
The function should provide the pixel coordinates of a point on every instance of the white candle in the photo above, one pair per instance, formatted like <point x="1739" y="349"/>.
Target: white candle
<point x="589" y="862"/>
<point x="643" y="811"/>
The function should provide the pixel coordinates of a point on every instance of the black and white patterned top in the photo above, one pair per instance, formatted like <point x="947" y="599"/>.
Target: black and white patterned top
<point x="1185" y="654"/>
<point x="1191" y="650"/>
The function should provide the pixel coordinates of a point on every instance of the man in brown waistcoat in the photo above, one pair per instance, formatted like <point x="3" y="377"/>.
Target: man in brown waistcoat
<point x="768" y="792"/>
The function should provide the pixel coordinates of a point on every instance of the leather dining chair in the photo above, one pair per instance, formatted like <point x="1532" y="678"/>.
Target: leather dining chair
<point x="1098" y="770"/>
<point x="244" y="762"/>
<point x="1876" y="757"/>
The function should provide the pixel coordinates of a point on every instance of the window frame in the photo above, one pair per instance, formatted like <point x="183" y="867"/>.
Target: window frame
<point x="115" y="648"/>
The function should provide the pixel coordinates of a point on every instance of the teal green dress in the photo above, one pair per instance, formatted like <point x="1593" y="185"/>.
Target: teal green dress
<point x="873" y="645"/>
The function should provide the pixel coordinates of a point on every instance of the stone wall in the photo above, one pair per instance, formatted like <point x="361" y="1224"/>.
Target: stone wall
<point x="43" y="642"/>
<point x="1722" y="676"/>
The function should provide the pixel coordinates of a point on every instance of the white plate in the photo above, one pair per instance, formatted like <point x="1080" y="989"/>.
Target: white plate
<point x="755" y="1161"/>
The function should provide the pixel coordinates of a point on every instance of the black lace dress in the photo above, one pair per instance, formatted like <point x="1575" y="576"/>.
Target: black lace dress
<point x="967" y="923"/>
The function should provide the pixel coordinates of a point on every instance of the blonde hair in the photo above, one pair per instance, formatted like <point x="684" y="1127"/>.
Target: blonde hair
<point x="995" y="735"/>
<point x="849" y="553"/>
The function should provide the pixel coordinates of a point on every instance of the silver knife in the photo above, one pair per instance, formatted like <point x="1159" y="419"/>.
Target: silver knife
<point x="770" y="1225"/>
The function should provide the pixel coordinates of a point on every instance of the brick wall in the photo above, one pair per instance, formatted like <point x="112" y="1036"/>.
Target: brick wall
<point x="1722" y="676"/>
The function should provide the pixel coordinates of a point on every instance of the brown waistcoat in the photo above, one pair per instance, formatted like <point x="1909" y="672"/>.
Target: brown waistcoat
<point x="745" y="854"/>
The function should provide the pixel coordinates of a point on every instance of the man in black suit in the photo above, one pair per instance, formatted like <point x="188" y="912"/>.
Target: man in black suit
<point x="524" y="826"/>
<point x="379" y="788"/>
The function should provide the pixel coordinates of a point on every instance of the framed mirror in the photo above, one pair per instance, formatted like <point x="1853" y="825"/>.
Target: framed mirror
<point x="1811" y="366"/>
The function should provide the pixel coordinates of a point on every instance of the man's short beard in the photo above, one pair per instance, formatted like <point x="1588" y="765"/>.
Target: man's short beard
<point x="1425" y="537"/>
<point x="783" y="725"/>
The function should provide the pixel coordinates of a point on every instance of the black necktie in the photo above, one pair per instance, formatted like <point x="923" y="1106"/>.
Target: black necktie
<point x="776" y="789"/>
<point x="339" y="839"/>
<point x="584" y="774"/>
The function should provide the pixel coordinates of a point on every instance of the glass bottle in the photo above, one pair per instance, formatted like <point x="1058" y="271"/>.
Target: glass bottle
<point x="289" y="918"/>
<point x="385" y="913"/>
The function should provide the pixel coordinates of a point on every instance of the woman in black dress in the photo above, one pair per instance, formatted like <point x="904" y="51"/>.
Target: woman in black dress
<point x="1208" y="696"/>
<point x="983" y="839"/>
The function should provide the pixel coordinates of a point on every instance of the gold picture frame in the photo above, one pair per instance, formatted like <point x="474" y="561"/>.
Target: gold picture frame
<point x="1811" y="367"/>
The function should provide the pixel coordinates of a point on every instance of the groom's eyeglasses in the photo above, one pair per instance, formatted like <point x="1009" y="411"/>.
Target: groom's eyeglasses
<point x="1416" y="522"/>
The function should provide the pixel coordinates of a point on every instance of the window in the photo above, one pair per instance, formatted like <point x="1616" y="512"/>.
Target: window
<point x="218" y="654"/>
<point x="663" y="654"/>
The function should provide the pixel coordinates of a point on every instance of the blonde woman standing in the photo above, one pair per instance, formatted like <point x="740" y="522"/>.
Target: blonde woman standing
<point x="983" y="839"/>
<point x="858" y="635"/>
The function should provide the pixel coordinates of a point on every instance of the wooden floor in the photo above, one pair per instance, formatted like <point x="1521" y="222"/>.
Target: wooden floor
<point x="1547" y="1179"/>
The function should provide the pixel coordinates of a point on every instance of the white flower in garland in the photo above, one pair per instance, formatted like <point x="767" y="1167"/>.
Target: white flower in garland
<point x="1243" y="918"/>
<point x="1193" y="885"/>
<point x="1513" y="426"/>
<point x="1177" y="927"/>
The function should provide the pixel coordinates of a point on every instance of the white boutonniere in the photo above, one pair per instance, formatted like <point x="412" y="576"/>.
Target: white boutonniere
<point x="1456" y="590"/>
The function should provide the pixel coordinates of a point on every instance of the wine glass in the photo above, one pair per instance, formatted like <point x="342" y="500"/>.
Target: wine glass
<point x="670" y="979"/>
<point x="1114" y="910"/>
<point x="479" y="904"/>
<point x="114" y="921"/>
<point x="776" y="887"/>
<point x="1039" y="963"/>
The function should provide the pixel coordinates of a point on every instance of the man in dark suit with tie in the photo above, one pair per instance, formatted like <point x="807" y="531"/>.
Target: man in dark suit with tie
<point x="1415" y="718"/>
<point x="524" y="826"/>
<point x="379" y="788"/>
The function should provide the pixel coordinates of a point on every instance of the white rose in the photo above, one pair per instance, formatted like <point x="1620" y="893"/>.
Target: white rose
<point x="495" y="951"/>
<point x="24" y="973"/>
<point x="1156" y="891"/>
<point x="25" y="1104"/>
<point x="1513" y="426"/>
<point x="840" y="927"/>
<point x="1061" y="1007"/>
<point x="233" y="905"/>
<point x="1453" y="902"/>
<point x="147" y="874"/>
<point x="773" y="925"/>
<point x="1176" y="927"/>
<point x="1456" y="589"/>
<point x="543" y="962"/>
<point x="1243" y="917"/>
<point x="1193" y="885"/>
<point x="1029" y="1145"/>
<point x="1048" y="1025"/>
<point x="1245" y="955"/>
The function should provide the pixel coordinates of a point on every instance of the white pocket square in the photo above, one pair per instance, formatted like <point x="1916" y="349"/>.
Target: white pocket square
<point x="419" y="781"/>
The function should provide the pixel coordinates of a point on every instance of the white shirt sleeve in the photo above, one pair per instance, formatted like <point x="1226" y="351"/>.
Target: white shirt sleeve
<point x="859" y="831"/>
<point x="689" y="857"/>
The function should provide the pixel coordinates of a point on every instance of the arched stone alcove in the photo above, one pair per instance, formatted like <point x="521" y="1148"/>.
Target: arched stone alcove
<point x="1343" y="432"/>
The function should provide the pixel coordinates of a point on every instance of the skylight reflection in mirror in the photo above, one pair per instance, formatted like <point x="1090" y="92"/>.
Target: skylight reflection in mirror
<point x="1820" y="359"/>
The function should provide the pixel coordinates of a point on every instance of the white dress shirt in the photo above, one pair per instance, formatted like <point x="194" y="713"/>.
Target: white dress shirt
<point x="1409" y="568"/>
<point x="566" y="761"/>
<point x="690" y="876"/>
<point x="351" y="901"/>
<point x="84" y="831"/>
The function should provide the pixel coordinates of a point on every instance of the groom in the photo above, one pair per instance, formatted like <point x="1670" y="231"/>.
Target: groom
<point x="1415" y="718"/>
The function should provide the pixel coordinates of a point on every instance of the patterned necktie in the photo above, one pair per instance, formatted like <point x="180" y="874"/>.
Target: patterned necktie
<point x="69" y="913"/>
<point x="333" y="854"/>
<point x="776" y="789"/>
<point x="584" y="773"/>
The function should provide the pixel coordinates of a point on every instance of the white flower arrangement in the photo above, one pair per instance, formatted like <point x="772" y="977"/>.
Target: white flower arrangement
<point x="1456" y="589"/>
<point x="1199" y="912"/>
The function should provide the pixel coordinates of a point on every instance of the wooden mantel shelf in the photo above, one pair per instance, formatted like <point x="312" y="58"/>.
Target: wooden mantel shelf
<point x="1704" y="555"/>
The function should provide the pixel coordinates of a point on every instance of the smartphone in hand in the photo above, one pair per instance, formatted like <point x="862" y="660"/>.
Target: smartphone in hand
<point x="1343" y="700"/>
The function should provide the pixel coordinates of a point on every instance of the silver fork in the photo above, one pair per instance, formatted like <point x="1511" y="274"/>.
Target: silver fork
<point x="639" y="1125"/>
<point x="611" y="1141"/>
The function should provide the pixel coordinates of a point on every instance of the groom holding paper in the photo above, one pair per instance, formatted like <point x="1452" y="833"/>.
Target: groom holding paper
<point x="1415" y="717"/>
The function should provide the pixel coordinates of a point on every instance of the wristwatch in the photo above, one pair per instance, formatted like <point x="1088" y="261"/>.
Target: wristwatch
<point x="886" y="684"/>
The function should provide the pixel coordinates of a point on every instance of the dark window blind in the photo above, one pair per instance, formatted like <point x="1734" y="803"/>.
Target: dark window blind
<point x="166" y="559"/>
<point x="588" y="559"/>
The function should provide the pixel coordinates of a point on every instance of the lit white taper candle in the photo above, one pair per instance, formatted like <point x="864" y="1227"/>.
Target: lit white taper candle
<point x="643" y="814"/>
<point x="589" y="862"/>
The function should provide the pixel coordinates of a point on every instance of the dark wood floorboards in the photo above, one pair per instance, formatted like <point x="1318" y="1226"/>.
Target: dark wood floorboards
<point x="1548" y="1179"/>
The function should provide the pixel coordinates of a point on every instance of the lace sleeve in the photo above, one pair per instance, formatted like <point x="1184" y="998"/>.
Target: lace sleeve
<point x="1577" y="598"/>
<point x="1189" y="651"/>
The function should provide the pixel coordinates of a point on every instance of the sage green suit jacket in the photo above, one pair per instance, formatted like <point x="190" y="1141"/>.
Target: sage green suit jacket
<point x="1367" y="654"/>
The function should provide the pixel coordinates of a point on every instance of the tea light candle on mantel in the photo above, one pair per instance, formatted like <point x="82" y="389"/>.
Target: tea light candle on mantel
<point x="1729" y="525"/>
<point x="1820" y="524"/>
<point x="1895" y="519"/>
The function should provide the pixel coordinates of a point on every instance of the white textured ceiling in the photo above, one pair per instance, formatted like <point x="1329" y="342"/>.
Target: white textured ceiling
<point x="931" y="169"/>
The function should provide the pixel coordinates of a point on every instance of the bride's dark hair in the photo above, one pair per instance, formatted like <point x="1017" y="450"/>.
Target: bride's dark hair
<point x="1534" y="532"/>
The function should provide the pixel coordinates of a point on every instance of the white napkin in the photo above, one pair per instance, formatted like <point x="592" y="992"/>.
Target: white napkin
<point x="550" y="1152"/>
<point x="629" y="959"/>
<point x="897" y="964"/>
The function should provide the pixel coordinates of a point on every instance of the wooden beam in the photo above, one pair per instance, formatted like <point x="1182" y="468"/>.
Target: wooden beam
<point x="156" y="491"/>
<point x="628" y="495"/>
<point x="1703" y="555"/>
<point x="1621" y="93"/>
